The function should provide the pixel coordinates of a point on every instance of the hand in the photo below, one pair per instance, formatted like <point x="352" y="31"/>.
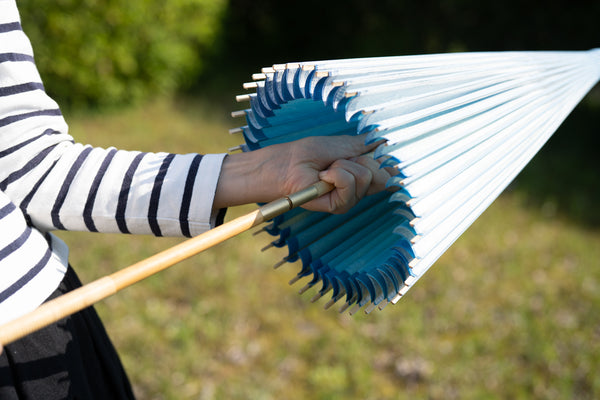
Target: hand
<point x="275" y="171"/>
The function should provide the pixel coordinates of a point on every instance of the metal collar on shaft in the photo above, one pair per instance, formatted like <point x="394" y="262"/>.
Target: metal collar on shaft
<point x="279" y="206"/>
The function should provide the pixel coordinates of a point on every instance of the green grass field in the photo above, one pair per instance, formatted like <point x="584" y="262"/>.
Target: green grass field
<point x="509" y="312"/>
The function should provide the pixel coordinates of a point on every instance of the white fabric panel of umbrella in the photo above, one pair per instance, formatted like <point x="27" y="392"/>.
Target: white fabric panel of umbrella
<point x="457" y="127"/>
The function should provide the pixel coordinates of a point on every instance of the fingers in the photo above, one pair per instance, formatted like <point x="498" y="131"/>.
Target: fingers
<point x="379" y="175"/>
<point x="342" y="198"/>
<point x="353" y="180"/>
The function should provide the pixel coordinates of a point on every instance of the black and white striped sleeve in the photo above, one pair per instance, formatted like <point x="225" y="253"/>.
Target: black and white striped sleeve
<point x="48" y="182"/>
<point x="77" y="187"/>
<point x="60" y="184"/>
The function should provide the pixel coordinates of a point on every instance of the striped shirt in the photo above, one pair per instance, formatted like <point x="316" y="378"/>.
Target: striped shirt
<point x="50" y="182"/>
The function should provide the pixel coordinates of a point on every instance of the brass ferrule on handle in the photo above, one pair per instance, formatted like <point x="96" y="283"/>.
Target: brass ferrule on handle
<point x="279" y="206"/>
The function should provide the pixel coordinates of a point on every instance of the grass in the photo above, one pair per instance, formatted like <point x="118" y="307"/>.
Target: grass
<point x="510" y="311"/>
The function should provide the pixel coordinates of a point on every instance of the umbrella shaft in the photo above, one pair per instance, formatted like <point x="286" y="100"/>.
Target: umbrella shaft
<point x="85" y="296"/>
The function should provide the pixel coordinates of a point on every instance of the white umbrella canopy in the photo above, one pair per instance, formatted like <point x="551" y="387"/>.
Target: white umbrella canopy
<point x="458" y="128"/>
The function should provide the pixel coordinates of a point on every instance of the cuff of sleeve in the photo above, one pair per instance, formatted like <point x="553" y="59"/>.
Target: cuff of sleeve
<point x="205" y="187"/>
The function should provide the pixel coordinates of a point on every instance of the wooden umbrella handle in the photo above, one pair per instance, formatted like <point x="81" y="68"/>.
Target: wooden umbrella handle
<point x="85" y="296"/>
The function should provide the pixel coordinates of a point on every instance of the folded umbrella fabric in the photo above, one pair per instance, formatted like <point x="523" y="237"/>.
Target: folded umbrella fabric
<point x="457" y="127"/>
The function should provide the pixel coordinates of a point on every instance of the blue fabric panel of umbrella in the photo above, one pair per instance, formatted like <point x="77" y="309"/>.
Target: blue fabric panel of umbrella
<point x="458" y="128"/>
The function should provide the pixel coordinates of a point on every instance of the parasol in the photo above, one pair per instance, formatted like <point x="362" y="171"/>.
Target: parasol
<point x="457" y="128"/>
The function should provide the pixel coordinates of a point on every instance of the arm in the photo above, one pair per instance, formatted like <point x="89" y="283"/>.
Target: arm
<point x="275" y="171"/>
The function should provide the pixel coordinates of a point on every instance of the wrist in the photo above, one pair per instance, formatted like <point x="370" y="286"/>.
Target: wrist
<point x="246" y="178"/>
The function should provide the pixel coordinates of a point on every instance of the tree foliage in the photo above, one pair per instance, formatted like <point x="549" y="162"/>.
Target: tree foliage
<point x="314" y="29"/>
<point x="108" y="52"/>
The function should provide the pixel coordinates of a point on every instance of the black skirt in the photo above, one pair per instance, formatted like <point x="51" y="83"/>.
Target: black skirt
<point x="71" y="359"/>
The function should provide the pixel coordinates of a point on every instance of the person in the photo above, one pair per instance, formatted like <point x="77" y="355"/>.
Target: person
<point x="49" y="182"/>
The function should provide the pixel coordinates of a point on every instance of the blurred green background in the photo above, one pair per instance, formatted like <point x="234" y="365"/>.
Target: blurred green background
<point x="510" y="311"/>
